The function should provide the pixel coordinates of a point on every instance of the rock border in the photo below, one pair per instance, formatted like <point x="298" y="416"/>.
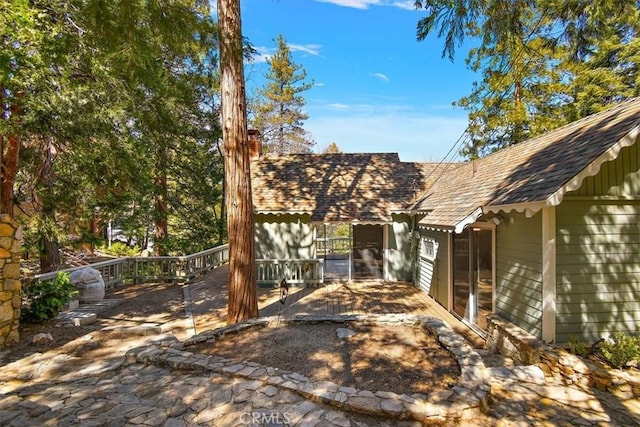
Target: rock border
<point x="462" y="401"/>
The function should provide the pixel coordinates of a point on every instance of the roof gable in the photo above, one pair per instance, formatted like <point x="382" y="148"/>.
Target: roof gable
<point x="534" y="173"/>
<point x="337" y="187"/>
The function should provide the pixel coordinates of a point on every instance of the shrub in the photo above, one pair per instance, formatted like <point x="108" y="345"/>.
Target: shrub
<point x="120" y="249"/>
<point x="43" y="300"/>
<point x="577" y="346"/>
<point x="620" y="350"/>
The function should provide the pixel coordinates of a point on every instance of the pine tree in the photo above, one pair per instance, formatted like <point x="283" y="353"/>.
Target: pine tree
<point x="279" y="116"/>
<point x="243" y="303"/>
<point x="542" y="63"/>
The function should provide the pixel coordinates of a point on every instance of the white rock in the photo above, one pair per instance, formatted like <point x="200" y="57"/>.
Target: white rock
<point x="345" y="333"/>
<point x="89" y="283"/>
<point x="42" y="338"/>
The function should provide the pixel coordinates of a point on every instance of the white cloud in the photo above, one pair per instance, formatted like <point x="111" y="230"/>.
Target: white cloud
<point x="381" y="76"/>
<point x="337" y="106"/>
<point x="265" y="53"/>
<point x="406" y="4"/>
<point x="356" y="4"/>
<point x="311" y="49"/>
<point x="365" y="4"/>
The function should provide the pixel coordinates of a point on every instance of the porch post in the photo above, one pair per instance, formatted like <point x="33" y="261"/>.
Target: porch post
<point x="549" y="274"/>
<point x="385" y="251"/>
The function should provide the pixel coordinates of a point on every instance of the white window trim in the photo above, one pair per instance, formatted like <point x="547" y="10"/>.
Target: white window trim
<point x="434" y="248"/>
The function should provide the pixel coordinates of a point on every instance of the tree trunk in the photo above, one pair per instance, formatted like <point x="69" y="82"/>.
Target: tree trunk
<point x="161" y="227"/>
<point x="49" y="247"/>
<point x="243" y="303"/>
<point x="9" y="164"/>
<point x="222" y="219"/>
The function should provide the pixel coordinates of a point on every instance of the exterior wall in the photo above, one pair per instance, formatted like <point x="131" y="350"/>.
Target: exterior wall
<point x="433" y="272"/>
<point x="519" y="271"/>
<point x="399" y="249"/>
<point x="10" y="254"/>
<point x="598" y="269"/>
<point x="283" y="237"/>
<point x="617" y="179"/>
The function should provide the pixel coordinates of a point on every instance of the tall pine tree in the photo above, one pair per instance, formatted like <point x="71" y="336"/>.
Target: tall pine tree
<point x="279" y="115"/>
<point x="542" y="63"/>
<point x="243" y="302"/>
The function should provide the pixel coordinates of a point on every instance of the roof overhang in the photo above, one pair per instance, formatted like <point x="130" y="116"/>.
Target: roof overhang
<point x="435" y="227"/>
<point x="280" y="213"/>
<point x="469" y="219"/>
<point x="594" y="167"/>
<point x="529" y="208"/>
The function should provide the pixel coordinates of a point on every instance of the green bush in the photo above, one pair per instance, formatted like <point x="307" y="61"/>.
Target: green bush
<point x="577" y="346"/>
<point x="620" y="350"/>
<point x="43" y="300"/>
<point x="120" y="249"/>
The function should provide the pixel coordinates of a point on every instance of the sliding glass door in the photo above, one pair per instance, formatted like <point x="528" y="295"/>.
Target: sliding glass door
<point x="473" y="275"/>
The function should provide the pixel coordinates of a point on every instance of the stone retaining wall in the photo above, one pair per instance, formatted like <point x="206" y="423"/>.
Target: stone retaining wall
<point x="461" y="402"/>
<point x="586" y="373"/>
<point x="557" y="363"/>
<point x="10" y="254"/>
<point x="508" y="339"/>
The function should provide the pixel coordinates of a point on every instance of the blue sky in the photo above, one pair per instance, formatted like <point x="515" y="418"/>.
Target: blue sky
<point x="376" y="89"/>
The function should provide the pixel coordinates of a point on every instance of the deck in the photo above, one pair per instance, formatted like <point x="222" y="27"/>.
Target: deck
<point x="209" y="301"/>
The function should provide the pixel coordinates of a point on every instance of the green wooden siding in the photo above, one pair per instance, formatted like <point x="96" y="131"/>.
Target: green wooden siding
<point x="283" y="237"/>
<point x="519" y="271"/>
<point x="399" y="249"/>
<point x="618" y="178"/>
<point x="598" y="267"/>
<point x="433" y="274"/>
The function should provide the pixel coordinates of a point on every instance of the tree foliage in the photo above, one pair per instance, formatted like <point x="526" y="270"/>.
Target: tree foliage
<point x="279" y="114"/>
<point x="542" y="63"/>
<point x="118" y="119"/>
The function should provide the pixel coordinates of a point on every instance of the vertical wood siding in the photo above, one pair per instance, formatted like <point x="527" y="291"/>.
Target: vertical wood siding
<point x="433" y="275"/>
<point x="618" y="178"/>
<point x="283" y="237"/>
<point x="519" y="271"/>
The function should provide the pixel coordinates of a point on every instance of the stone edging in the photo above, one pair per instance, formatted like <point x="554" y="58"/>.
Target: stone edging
<point x="585" y="373"/>
<point x="557" y="363"/>
<point x="459" y="402"/>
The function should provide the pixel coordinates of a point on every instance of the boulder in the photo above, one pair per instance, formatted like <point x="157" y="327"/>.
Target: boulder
<point x="89" y="283"/>
<point x="42" y="338"/>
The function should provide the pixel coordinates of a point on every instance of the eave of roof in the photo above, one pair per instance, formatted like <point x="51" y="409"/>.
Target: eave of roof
<point x="524" y="193"/>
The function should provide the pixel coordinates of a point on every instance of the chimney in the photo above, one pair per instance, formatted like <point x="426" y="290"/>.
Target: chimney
<point x="255" y="147"/>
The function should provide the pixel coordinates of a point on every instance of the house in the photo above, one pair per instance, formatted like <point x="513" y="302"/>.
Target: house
<point x="302" y="200"/>
<point x="545" y="234"/>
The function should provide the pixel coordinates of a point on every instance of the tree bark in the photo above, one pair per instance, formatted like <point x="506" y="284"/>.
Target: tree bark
<point x="9" y="164"/>
<point x="243" y="302"/>
<point x="161" y="226"/>
<point x="49" y="246"/>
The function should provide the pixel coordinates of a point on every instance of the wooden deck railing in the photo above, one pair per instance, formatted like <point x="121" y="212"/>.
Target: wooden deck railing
<point x="334" y="245"/>
<point x="295" y="271"/>
<point x="144" y="269"/>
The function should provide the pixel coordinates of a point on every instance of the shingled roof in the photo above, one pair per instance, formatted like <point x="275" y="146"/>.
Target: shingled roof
<point x="532" y="174"/>
<point x="338" y="187"/>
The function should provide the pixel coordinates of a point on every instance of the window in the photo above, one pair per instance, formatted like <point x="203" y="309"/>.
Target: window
<point x="428" y="248"/>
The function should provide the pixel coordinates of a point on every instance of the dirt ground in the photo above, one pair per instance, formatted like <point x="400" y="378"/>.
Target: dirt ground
<point x="401" y="359"/>
<point x="111" y="335"/>
<point x="398" y="359"/>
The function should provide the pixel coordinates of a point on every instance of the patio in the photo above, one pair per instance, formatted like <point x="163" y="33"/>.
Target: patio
<point x="208" y="296"/>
